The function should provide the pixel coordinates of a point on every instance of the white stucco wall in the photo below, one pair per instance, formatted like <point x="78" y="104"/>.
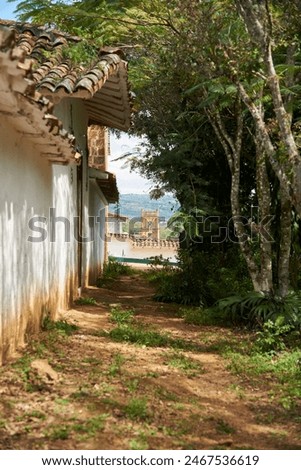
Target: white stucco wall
<point x="96" y="248"/>
<point x="72" y="113"/>
<point x="123" y="247"/>
<point x="30" y="276"/>
<point x="114" y="225"/>
<point x="63" y="241"/>
<point x="39" y="275"/>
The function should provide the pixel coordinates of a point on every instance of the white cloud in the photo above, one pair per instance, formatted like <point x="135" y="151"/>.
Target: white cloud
<point x="128" y="182"/>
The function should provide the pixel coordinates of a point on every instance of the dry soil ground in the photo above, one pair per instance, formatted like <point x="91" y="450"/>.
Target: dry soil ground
<point x="87" y="391"/>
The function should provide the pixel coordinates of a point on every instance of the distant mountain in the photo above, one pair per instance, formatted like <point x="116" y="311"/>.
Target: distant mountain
<point x="130" y="205"/>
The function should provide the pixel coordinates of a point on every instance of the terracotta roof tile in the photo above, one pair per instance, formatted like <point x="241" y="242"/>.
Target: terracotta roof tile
<point x="52" y="73"/>
<point x="34" y="75"/>
<point x="27" y="110"/>
<point x="55" y="75"/>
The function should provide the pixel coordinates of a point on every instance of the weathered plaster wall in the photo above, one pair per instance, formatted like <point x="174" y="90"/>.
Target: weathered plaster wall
<point x="63" y="235"/>
<point x="39" y="275"/>
<point x="73" y="114"/>
<point x="97" y="208"/>
<point x="35" y="273"/>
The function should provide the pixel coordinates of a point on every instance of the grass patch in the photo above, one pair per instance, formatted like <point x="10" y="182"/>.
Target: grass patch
<point x="115" y="367"/>
<point x="141" y="441"/>
<point x="91" y="426"/>
<point x="202" y="316"/>
<point x="281" y="372"/>
<point x="132" y="385"/>
<point x="165" y="394"/>
<point x="59" y="433"/>
<point x="87" y="428"/>
<point x="186" y="364"/>
<point x="121" y="316"/>
<point x="223" y="427"/>
<point x="140" y="335"/>
<point x="138" y="444"/>
<point x="62" y="401"/>
<point x="23" y="368"/>
<point x="136" y="408"/>
<point x="85" y="301"/>
<point x="238" y="390"/>
<point x="82" y="392"/>
<point x="112" y="271"/>
<point x="60" y="326"/>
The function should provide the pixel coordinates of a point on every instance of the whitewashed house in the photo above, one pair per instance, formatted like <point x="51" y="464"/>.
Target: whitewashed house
<point x="54" y="183"/>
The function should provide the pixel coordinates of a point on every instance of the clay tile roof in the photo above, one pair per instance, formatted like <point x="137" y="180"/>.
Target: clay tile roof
<point x="104" y="85"/>
<point x="27" y="110"/>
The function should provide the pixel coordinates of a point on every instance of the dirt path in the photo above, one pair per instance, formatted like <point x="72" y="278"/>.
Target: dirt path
<point x="89" y="391"/>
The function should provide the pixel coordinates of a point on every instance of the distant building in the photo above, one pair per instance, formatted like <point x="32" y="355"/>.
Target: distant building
<point x="115" y="223"/>
<point x="150" y="225"/>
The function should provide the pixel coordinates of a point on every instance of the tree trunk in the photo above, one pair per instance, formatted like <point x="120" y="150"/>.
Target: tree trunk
<point x="232" y="148"/>
<point x="264" y="202"/>
<point x="258" y="22"/>
<point x="285" y="246"/>
<point x="241" y="233"/>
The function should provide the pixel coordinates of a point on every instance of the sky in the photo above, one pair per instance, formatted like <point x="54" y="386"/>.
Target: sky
<point x="128" y="182"/>
<point x="7" y="10"/>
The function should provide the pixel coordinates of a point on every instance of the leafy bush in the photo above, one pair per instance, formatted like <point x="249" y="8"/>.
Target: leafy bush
<point x="271" y="338"/>
<point x="255" y="309"/>
<point x="201" y="278"/>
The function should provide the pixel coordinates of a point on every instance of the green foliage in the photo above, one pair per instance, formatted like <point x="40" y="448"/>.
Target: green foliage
<point x="120" y="316"/>
<point x="223" y="427"/>
<point x="113" y="270"/>
<point x="255" y="309"/>
<point x="136" y="408"/>
<point x="59" y="432"/>
<point x="99" y="23"/>
<point x="117" y="362"/>
<point x="138" y="444"/>
<point x="203" y="316"/>
<point x="23" y="366"/>
<point x="271" y="338"/>
<point x="141" y="336"/>
<point x="201" y="278"/>
<point x="81" y="53"/>
<point x="85" y="301"/>
<point x="138" y="335"/>
<point x="60" y="326"/>
<point x="85" y="429"/>
<point x="184" y="363"/>
<point x="283" y="372"/>
<point x="91" y="426"/>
